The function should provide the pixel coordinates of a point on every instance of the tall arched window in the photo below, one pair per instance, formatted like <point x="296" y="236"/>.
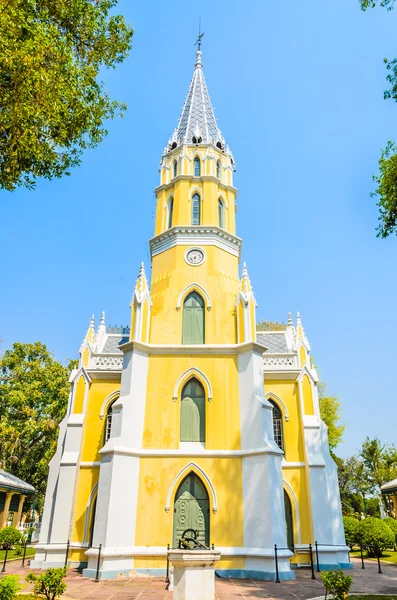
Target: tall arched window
<point x="197" y="167"/>
<point x="170" y="212"/>
<point x="219" y="169"/>
<point x="108" y="422"/>
<point x="174" y="168"/>
<point x="196" y="210"/>
<point x="221" y="214"/>
<point x="277" y="425"/>
<point x="193" y="412"/>
<point x="193" y="319"/>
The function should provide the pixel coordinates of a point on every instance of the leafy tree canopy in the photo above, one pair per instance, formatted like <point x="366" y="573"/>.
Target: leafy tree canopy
<point x="372" y="3"/>
<point x="52" y="104"/>
<point x="380" y="462"/>
<point x="33" y="398"/>
<point x="330" y="411"/>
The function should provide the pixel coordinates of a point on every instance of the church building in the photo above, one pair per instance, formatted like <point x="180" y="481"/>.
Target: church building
<point x="190" y="418"/>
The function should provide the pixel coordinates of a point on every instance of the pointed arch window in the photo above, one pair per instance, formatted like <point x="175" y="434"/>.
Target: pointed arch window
<point x="221" y="213"/>
<point x="193" y="412"/>
<point x="174" y="168"/>
<point x="193" y="320"/>
<point x="196" y="210"/>
<point x="219" y="169"/>
<point x="197" y="167"/>
<point x="108" y="422"/>
<point x="278" y="425"/>
<point x="170" y="212"/>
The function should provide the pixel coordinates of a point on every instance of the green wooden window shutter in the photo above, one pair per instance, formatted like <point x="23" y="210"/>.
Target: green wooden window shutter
<point x="193" y="412"/>
<point x="193" y="320"/>
<point x="14" y="504"/>
<point x="2" y="500"/>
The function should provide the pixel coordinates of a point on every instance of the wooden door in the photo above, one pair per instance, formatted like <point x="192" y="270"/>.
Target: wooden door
<point x="193" y="320"/>
<point x="288" y="521"/>
<point x="192" y="509"/>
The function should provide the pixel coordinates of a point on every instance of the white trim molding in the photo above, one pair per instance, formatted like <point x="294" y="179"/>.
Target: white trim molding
<point x="192" y="287"/>
<point x="185" y="376"/>
<point x="278" y="399"/>
<point x="195" y="235"/>
<point x="192" y="466"/>
<point x="296" y="506"/>
<point x="108" y="399"/>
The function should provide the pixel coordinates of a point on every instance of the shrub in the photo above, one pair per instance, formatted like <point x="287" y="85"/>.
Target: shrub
<point x="392" y="523"/>
<point x="351" y="530"/>
<point x="9" y="536"/>
<point x="336" y="583"/>
<point x="50" y="583"/>
<point x="9" y="587"/>
<point x="376" y="533"/>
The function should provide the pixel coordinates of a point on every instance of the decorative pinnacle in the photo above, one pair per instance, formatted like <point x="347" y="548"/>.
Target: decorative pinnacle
<point x="142" y="270"/>
<point x="290" y="321"/>
<point x="92" y="322"/>
<point x="103" y="318"/>
<point x="298" y="319"/>
<point x="244" y="271"/>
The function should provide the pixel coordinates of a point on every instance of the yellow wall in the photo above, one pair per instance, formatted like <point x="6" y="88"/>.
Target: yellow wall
<point x="293" y="436"/>
<point x="79" y="396"/>
<point x="94" y="426"/>
<point x="87" y="479"/>
<point x="307" y="396"/>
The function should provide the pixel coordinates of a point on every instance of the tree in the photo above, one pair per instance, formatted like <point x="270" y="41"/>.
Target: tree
<point x="9" y="536"/>
<point x="53" y="105"/>
<point x="33" y="399"/>
<point x="330" y="412"/>
<point x="376" y="535"/>
<point x="380" y="462"/>
<point x="353" y="485"/>
<point x="386" y="180"/>
<point x="350" y="525"/>
<point x="49" y="584"/>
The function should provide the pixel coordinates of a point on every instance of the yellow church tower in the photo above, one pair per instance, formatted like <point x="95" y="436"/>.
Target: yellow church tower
<point x="190" y="418"/>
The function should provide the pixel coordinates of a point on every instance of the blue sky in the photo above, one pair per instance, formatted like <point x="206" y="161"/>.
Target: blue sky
<point x="298" y="92"/>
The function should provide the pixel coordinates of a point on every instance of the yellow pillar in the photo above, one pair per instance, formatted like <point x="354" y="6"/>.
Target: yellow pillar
<point x="17" y="516"/>
<point x="6" y="510"/>
<point x="394" y="498"/>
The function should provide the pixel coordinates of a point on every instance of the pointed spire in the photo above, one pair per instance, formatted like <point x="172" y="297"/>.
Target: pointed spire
<point x="102" y="318"/>
<point x="298" y="319"/>
<point x="290" y="321"/>
<point x="197" y="123"/>
<point x="92" y="323"/>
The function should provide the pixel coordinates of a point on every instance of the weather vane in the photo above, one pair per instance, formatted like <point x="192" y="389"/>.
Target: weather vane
<point x="200" y="35"/>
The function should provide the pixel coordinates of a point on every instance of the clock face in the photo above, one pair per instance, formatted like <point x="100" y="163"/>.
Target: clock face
<point x="195" y="256"/>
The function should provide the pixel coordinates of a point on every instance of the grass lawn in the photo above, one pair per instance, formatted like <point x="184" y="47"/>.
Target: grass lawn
<point x="387" y="555"/>
<point x="11" y="554"/>
<point x="374" y="597"/>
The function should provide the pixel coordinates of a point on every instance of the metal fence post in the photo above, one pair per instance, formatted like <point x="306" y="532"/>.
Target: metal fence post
<point x="276" y="559"/>
<point x="167" y="575"/>
<point x="379" y="569"/>
<point x="67" y="553"/>
<point x="24" y="552"/>
<point x="311" y="561"/>
<point x="362" y="557"/>
<point x="5" y="560"/>
<point x="98" y="564"/>
<point x="317" y="559"/>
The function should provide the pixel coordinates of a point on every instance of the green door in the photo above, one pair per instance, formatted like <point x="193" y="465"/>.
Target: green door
<point x="191" y="510"/>
<point x="288" y="521"/>
<point x="193" y="319"/>
<point x="193" y="412"/>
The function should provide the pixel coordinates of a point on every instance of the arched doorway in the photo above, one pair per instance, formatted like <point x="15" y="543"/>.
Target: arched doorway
<point x="288" y="521"/>
<point x="192" y="509"/>
<point x="92" y="522"/>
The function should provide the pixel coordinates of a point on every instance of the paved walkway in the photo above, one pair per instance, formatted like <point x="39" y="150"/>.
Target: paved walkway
<point x="368" y="582"/>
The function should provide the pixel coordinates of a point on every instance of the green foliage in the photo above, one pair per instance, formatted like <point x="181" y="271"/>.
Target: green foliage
<point x="51" y="583"/>
<point x="270" y="326"/>
<point x="380" y="463"/>
<point x="351" y="530"/>
<point x="372" y="3"/>
<point x="392" y="523"/>
<point x="336" y="583"/>
<point x="9" y="536"/>
<point x="386" y="190"/>
<point x="9" y="587"/>
<point x="53" y="105"/>
<point x="330" y="412"/>
<point x="375" y="532"/>
<point x="33" y="398"/>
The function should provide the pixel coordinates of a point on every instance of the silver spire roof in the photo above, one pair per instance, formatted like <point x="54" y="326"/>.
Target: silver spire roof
<point x="197" y="123"/>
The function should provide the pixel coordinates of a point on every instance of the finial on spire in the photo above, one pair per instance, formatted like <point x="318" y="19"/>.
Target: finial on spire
<point x="200" y="36"/>
<point x="141" y="270"/>
<point x="92" y="322"/>
<point x="290" y="321"/>
<point x="298" y="318"/>
<point x="103" y="318"/>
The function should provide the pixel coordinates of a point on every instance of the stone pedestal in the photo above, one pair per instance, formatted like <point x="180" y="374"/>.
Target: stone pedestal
<point x="194" y="574"/>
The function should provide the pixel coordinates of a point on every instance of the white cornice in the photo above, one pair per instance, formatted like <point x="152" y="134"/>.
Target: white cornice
<point x="178" y="452"/>
<point x="182" y="177"/>
<point x="193" y="236"/>
<point x="198" y="349"/>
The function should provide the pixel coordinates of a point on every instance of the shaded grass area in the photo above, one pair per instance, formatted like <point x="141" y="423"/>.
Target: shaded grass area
<point x="12" y="554"/>
<point x="387" y="555"/>
<point x="370" y="597"/>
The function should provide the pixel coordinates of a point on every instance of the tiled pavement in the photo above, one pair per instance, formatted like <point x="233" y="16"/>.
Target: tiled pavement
<point x="367" y="581"/>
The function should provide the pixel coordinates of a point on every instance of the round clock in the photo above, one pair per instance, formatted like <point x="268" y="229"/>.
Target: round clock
<point x="195" y="256"/>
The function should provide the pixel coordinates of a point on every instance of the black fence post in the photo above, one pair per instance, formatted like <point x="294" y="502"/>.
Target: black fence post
<point x="98" y="563"/>
<point x="5" y="560"/>
<point x="24" y="552"/>
<point x="167" y="575"/>
<point x="311" y="561"/>
<point x="67" y="553"/>
<point x="379" y="569"/>
<point x="362" y="557"/>
<point x="276" y="559"/>
<point x="317" y="559"/>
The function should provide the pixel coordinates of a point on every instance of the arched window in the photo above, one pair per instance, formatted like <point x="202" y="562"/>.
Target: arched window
<point x="193" y="319"/>
<point x="219" y="169"/>
<point x="196" y="210"/>
<point x="108" y="422"/>
<point x="174" y="168"/>
<point x="277" y="425"/>
<point x="221" y="214"/>
<point x="170" y="212"/>
<point x="197" y="167"/>
<point x="193" y="412"/>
